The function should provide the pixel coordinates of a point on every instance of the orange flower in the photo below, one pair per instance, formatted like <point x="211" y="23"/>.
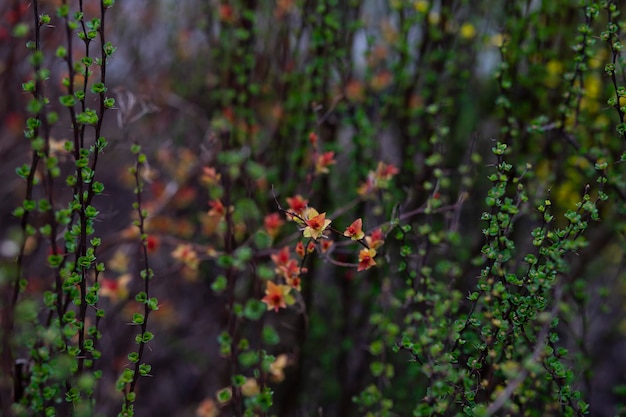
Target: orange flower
<point x="276" y="368"/>
<point x="115" y="289"/>
<point x="187" y="255"/>
<point x="324" y="161"/>
<point x="367" y="187"/>
<point x="315" y="224"/>
<point x="207" y="408"/>
<point x="313" y="138"/>
<point x="281" y="257"/>
<point x="378" y="179"/>
<point x="366" y="259"/>
<point x="300" y="249"/>
<point x="297" y="205"/>
<point x="184" y="197"/>
<point x="291" y="273"/>
<point x="226" y="13"/>
<point x="375" y="239"/>
<point x="355" y="230"/>
<point x="326" y="244"/>
<point x="381" y="80"/>
<point x="355" y="91"/>
<point x="272" y="223"/>
<point x="310" y="248"/>
<point x="283" y="8"/>
<point x="275" y="296"/>
<point x="295" y="283"/>
<point x="210" y="176"/>
<point x="217" y="208"/>
<point x="386" y="172"/>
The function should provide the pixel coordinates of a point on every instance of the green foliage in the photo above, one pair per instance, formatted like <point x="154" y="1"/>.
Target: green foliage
<point x="340" y="208"/>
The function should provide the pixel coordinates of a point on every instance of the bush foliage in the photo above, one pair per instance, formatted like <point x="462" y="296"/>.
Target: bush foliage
<point x="312" y="208"/>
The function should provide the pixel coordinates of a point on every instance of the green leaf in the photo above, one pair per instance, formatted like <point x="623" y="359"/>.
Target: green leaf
<point x="220" y="284"/>
<point x="254" y="309"/>
<point x="270" y="335"/>
<point x="67" y="100"/>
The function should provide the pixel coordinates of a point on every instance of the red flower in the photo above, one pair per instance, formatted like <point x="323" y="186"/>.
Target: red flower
<point x="355" y="230"/>
<point x="217" y="208"/>
<point x="383" y="175"/>
<point x="115" y="289"/>
<point x="297" y="205"/>
<point x="326" y="244"/>
<point x="366" y="259"/>
<point x="300" y="249"/>
<point x="272" y="223"/>
<point x="324" y="161"/>
<point x="375" y="239"/>
<point x="226" y="13"/>
<point x="367" y="187"/>
<point x="152" y="244"/>
<point x="386" y="172"/>
<point x="210" y="176"/>
<point x="379" y="179"/>
<point x="291" y="272"/>
<point x="281" y="257"/>
<point x="295" y="283"/>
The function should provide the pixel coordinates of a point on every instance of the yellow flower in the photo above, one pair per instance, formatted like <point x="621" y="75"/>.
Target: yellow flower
<point x="315" y="224"/>
<point x="467" y="31"/>
<point x="250" y="388"/>
<point x="276" y="368"/>
<point x="421" y="6"/>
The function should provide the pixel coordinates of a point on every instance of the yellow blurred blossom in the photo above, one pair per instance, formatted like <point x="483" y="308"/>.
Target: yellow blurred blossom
<point x="421" y="6"/>
<point x="434" y="18"/>
<point x="250" y="388"/>
<point x="467" y="31"/>
<point x="554" y="69"/>
<point x="277" y="368"/>
<point x="554" y="66"/>
<point x="497" y="40"/>
<point x="599" y="59"/>
<point x="119" y="262"/>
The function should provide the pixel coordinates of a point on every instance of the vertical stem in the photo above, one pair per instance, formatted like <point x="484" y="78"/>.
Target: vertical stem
<point x="231" y="277"/>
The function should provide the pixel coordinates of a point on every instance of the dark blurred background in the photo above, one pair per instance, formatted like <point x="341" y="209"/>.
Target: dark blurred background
<point x="413" y="83"/>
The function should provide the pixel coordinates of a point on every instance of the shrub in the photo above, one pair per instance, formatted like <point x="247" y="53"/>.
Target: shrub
<point x="313" y="208"/>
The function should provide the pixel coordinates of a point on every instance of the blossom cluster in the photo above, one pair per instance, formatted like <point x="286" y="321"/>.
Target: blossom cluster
<point x="316" y="228"/>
